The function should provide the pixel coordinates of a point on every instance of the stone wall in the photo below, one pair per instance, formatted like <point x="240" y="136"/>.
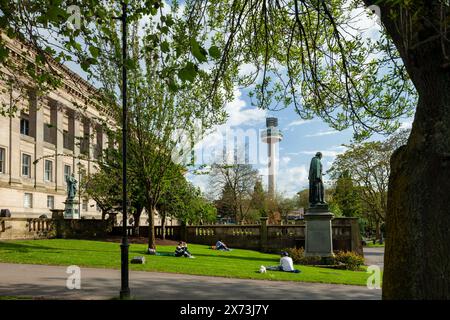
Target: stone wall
<point x="25" y="228"/>
<point x="346" y="235"/>
<point x="30" y="228"/>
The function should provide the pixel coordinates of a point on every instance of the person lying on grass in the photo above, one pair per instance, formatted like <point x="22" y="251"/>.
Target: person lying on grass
<point x="222" y="246"/>
<point x="286" y="264"/>
<point x="182" y="251"/>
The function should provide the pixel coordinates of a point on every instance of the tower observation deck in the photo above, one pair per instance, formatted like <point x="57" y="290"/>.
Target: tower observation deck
<point x="272" y="135"/>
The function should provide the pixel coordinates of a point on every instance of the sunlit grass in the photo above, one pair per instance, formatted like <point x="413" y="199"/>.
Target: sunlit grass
<point x="234" y="264"/>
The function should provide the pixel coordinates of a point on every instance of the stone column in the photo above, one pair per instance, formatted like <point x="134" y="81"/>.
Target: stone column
<point x="77" y="134"/>
<point x="59" y="165"/>
<point x="14" y="148"/>
<point x="76" y="142"/>
<point x="318" y="232"/>
<point x="37" y="130"/>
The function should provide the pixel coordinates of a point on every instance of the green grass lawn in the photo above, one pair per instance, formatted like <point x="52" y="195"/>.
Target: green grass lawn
<point x="376" y="245"/>
<point x="235" y="264"/>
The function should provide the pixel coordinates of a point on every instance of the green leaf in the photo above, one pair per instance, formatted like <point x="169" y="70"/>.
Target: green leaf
<point x="172" y="85"/>
<point x="95" y="51"/>
<point x="169" y="21"/>
<point x="188" y="73"/>
<point x="165" y="30"/>
<point x="198" y="52"/>
<point x="165" y="46"/>
<point x="214" y="52"/>
<point x="85" y="64"/>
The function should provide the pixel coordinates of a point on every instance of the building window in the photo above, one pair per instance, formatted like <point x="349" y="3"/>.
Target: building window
<point x="26" y="165"/>
<point x="66" y="141"/>
<point x="51" y="202"/>
<point x="67" y="171"/>
<point x="28" y="200"/>
<point x="85" y="205"/>
<point x="48" y="173"/>
<point x="84" y="145"/>
<point x="48" y="133"/>
<point x="2" y="160"/>
<point x="25" y="126"/>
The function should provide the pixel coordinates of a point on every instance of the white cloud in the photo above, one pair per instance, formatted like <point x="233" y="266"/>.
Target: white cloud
<point x="362" y="22"/>
<point x="292" y="180"/>
<point x="201" y="181"/>
<point x="326" y="153"/>
<point x="299" y="122"/>
<point x="322" y="133"/>
<point x="242" y="121"/>
<point x="239" y="115"/>
<point x="285" y="160"/>
<point x="331" y="152"/>
<point x="247" y="69"/>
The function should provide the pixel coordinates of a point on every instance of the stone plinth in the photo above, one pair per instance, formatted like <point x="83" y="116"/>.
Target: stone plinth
<point x="71" y="209"/>
<point x="318" y="234"/>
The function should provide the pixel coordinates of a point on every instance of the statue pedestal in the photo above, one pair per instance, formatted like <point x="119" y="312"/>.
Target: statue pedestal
<point x="318" y="234"/>
<point x="71" y="209"/>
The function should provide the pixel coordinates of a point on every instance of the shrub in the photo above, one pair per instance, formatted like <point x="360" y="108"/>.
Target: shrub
<point x="350" y="260"/>
<point x="298" y="256"/>
<point x="344" y="259"/>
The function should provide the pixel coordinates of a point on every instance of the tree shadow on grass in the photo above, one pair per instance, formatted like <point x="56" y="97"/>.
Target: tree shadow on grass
<point x="234" y="257"/>
<point x="25" y="248"/>
<point x="22" y="247"/>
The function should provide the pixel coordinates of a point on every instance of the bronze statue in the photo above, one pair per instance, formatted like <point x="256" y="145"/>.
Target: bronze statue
<point x="316" y="190"/>
<point x="71" y="187"/>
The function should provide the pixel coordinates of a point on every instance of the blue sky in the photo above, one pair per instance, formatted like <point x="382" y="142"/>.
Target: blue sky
<point x="302" y="139"/>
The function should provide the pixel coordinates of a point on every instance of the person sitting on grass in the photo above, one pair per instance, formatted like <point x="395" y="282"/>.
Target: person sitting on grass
<point x="286" y="264"/>
<point x="222" y="246"/>
<point x="182" y="251"/>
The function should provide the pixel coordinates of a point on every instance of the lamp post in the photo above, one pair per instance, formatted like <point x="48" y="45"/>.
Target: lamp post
<point x="124" y="290"/>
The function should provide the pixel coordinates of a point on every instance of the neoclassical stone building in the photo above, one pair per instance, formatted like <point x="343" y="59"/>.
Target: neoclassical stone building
<point x="43" y="141"/>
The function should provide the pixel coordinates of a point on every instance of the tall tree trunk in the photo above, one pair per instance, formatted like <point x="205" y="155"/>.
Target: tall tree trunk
<point x="163" y="225"/>
<point x="137" y="219"/>
<point x="417" y="259"/>
<point x="151" y="227"/>
<point x="378" y="230"/>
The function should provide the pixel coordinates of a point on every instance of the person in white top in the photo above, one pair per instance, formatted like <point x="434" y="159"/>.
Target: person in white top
<point x="286" y="264"/>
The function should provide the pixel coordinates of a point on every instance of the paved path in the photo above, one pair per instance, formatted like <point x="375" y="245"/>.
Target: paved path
<point x="50" y="282"/>
<point x="374" y="256"/>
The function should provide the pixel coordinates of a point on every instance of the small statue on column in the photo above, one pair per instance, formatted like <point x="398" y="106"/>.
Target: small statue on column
<point x="71" y="187"/>
<point x="316" y="189"/>
<point x="71" y="210"/>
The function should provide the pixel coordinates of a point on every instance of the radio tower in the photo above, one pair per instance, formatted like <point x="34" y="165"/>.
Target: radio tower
<point x="272" y="135"/>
